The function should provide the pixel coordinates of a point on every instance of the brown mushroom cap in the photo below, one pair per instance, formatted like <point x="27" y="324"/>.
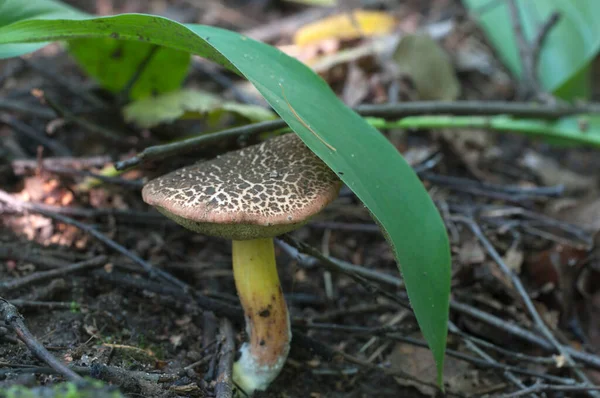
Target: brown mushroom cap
<point x="257" y="192"/>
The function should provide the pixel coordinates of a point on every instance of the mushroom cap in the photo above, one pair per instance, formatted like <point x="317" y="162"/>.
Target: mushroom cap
<point x="257" y="192"/>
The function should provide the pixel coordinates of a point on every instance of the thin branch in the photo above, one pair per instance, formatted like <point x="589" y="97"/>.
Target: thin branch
<point x="13" y="319"/>
<point x="224" y="385"/>
<point x="17" y="283"/>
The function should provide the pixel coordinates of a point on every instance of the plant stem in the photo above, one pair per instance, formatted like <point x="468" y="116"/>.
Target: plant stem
<point x="528" y="127"/>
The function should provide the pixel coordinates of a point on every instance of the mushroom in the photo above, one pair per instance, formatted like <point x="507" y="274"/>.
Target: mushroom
<point x="250" y="196"/>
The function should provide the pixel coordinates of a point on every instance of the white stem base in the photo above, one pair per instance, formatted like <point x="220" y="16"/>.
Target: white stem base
<point x="250" y="376"/>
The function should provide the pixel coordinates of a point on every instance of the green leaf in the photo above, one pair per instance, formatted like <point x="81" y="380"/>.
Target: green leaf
<point x="188" y="104"/>
<point x="114" y="62"/>
<point x="363" y="158"/>
<point x="568" y="50"/>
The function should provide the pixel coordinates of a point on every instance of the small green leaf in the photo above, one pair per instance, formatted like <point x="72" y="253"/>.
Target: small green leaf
<point x="188" y="104"/>
<point x="114" y="62"/>
<point x="568" y="50"/>
<point x="363" y="158"/>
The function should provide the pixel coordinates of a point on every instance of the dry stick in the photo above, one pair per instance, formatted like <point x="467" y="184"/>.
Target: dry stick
<point x="190" y="144"/>
<point x="13" y="319"/>
<point x="295" y="248"/>
<point x="20" y="205"/>
<point x="17" y="283"/>
<point x="390" y="111"/>
<point x="541" y="326"/>
<point x="24" y="166"/>
<point x="26" y="108"/>
<point x="224" y="386"/>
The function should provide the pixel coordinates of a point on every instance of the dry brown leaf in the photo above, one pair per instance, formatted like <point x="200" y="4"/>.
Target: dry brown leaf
<point x="471" y="252"/>
<point x="418" y="362"/>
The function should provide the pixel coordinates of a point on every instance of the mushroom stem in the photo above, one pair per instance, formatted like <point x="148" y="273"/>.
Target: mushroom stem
<point x="267" y="319"/>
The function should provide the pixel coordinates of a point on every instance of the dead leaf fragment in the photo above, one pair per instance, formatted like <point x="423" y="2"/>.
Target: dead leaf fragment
<point x="422" y="59"/>
<point x="551" y="173"/>
<point x="418" y="362"/>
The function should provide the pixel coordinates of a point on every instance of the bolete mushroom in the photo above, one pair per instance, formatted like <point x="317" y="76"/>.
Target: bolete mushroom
<point x="250" y="196"/>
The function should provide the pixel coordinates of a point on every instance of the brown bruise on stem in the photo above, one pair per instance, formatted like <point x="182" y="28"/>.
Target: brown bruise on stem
<point x="259" y="290"/>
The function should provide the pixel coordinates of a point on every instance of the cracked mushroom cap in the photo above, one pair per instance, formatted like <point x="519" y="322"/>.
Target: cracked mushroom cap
<point x="257" y="192"/>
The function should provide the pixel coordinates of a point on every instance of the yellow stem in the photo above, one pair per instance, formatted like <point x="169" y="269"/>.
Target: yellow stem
<point x="259" y="290"/>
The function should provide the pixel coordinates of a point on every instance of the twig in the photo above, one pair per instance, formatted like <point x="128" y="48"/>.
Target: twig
<point x="516" y="282"/>
<point x="56" y="147"/>
<point x="17" y="283"/>
<point x="390" y="111"/>
<point x="190" y="144"/>
<point x="459" y="183"/>
<point x="152" y="271"/>
<point x="26" y="108"/>
<point x="46" y="305"/>
<point x="341" y="266"/>
<point x="224" y="385"/>
<point x="23" y="166"/>
<point x="13" y="319"/>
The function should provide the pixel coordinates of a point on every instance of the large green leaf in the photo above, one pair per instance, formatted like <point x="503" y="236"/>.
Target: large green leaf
<point x="358" y="153"/>
<point x="568" y="50"/>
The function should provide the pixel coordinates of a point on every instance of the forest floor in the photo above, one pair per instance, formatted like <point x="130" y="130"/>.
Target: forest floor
<point x="507" y="201"/>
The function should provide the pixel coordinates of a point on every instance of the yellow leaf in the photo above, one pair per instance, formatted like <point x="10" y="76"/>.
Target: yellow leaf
<point x="346" y="26"/>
